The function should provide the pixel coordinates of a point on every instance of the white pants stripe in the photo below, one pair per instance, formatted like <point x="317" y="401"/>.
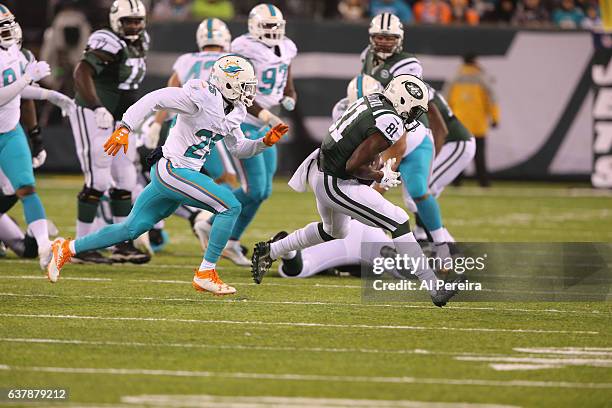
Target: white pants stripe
<point x="172" y="181"/>
<point x="454" y="157"/>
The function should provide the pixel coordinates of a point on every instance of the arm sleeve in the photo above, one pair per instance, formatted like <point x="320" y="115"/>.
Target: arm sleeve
<point x="241" y="147"/>
<point x="169" y="99"/>
<point x="9" y="92"/>
<point x="35" y="92"/>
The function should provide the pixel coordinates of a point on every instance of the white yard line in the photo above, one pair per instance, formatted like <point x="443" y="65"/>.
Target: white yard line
<point x="419" y="352"/>
<point x="594" y="313"/>
<point x="572" y="351"/>
<point x="312" y="377"/>
<point x="300" y="324"/>
<point x="593" y="362"/>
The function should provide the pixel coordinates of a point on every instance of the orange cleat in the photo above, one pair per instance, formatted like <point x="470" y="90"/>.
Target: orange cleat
<point x="60" y="255"/>
<point x="209" y="281"/>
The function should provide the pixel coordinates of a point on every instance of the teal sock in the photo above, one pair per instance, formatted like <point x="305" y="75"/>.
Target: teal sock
<point x="105" y="237"/>
<point x="220" y="232"/>
<point x="429" y="212"/>
<point x="32" y="208"/>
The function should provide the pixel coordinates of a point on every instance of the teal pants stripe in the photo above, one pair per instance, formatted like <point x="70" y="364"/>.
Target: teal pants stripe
<point x="161" y="198"/>
<point x="256" y="174"/>
<point x="415" y="170"/>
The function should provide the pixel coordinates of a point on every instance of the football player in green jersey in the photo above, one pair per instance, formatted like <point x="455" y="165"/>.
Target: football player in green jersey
<point x="106" y="82"/>
<point x="340" y="174"/>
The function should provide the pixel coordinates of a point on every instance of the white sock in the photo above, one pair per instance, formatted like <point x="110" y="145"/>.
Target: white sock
<point x="40" y="231"/>
<point x="289" y="255"/>
<point x="407" y="245"/>
<point x="10" y="233"/>
<point x="419" y="233"/>
<point x="84" y="228"/>
<point x="438" y="235"/>
<point x="72" y="247"/>
<point x="205" y="265"/>
<point x="449" y="237"/>
<point x="298" y="239"/>
<point x="159" y="225"/>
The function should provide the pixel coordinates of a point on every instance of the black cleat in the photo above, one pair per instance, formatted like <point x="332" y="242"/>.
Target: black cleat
<point x="278" y="236"/>
<point x="442" y="296"/>
<point x="91" y="257"/>
<point x="126" y="252"/>
<point x="260" y="261"/>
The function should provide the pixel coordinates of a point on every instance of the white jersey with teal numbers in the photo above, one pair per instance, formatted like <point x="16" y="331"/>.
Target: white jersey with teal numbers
<point x="203" y="119"/>
<point x="271" y="67"/>
<point x="196" y="65"/>
<point x="12" y="66"/>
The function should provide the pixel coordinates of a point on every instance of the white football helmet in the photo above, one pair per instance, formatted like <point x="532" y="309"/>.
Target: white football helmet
<point x="362" y="85"/>
<point x="234" y="76"/>
<point x="127" y="9"/>
<point x="10" y="30"/>
<point x="266" y="23"/>
<point x="213" y="31"/>
<point x="408" y="95"/>
<point x="386" y="24"/>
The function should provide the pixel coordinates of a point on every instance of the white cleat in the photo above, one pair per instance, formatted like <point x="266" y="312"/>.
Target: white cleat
<point x="143" y="244"/>
<point x="60" y="255"/>
<point x="209" y="281"/>
<point x="233" y="252"/>
<point x="202" y="228"/>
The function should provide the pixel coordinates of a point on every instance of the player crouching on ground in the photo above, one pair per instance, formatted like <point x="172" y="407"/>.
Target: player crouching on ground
<point x="207" y="112"/>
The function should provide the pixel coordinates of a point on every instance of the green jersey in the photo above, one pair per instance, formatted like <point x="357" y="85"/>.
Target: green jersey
<point x="119" y="67"/>
<point x="385" y="70"/>
<point x="456" y="130"/>
<point x="362" y="118"/>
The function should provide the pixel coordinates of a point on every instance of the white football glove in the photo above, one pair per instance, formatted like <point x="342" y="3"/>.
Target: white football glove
<point x="390" y="178"/>
<point x="104" y="119"/>
<point x="152" y="136"/>
<point x="288" y="103"/>
<point x="63" y="102"/>
<point x="270" y="118"/>
<point x="39" y="159"/>
<point x="36" y="71"/>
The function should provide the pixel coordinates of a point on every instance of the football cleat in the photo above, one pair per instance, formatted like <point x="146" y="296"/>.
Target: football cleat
<point x="60" y="255"/>
<point x="202" y="228"/>
<point x="209" y="281"/>
<point x="91" y="257"/>
<point x="233" y="252"/>
<point x="143" y="244"/>
<point x="126" y="252"/>
<point x="261" y="261"/>
<point x="442" y="296"/>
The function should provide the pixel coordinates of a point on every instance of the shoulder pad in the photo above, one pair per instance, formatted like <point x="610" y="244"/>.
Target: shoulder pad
<point x="390" y="125"/>
<point x="290" y="48"/>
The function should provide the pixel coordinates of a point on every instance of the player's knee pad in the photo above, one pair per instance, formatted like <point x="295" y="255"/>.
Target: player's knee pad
<point x="119" y="194"/>
<point x="421" y="198"/>
<point x="89" y="195"/>
<point x="7" y="202"/>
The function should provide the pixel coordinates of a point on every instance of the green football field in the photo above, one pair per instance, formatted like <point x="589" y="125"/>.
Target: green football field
<point x="136" y="336"/>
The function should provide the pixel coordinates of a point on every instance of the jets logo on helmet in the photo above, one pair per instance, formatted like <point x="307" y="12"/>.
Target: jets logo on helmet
<point x="362" y="85"/>
<point x="10" y="31"/>
<point x="123" y="10"/>
<point x="409" y="96"/>
<point x="234" y="77"/>
<point x="414" y="90"/>
<point x="213" y="31"/>
<point x="266" y="23"/>
<point x="386" y="35"/>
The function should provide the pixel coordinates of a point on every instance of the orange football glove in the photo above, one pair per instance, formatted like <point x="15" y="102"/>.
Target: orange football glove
<point x="118" y="139"/>
<point x="275" y="134"/>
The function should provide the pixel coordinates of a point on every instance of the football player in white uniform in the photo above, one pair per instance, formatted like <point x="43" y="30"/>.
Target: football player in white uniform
<point x="360" y="86"/>
<point x="208" y="111"/>
<point x="19" y="71"/>
<point x="271" y="53"/>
